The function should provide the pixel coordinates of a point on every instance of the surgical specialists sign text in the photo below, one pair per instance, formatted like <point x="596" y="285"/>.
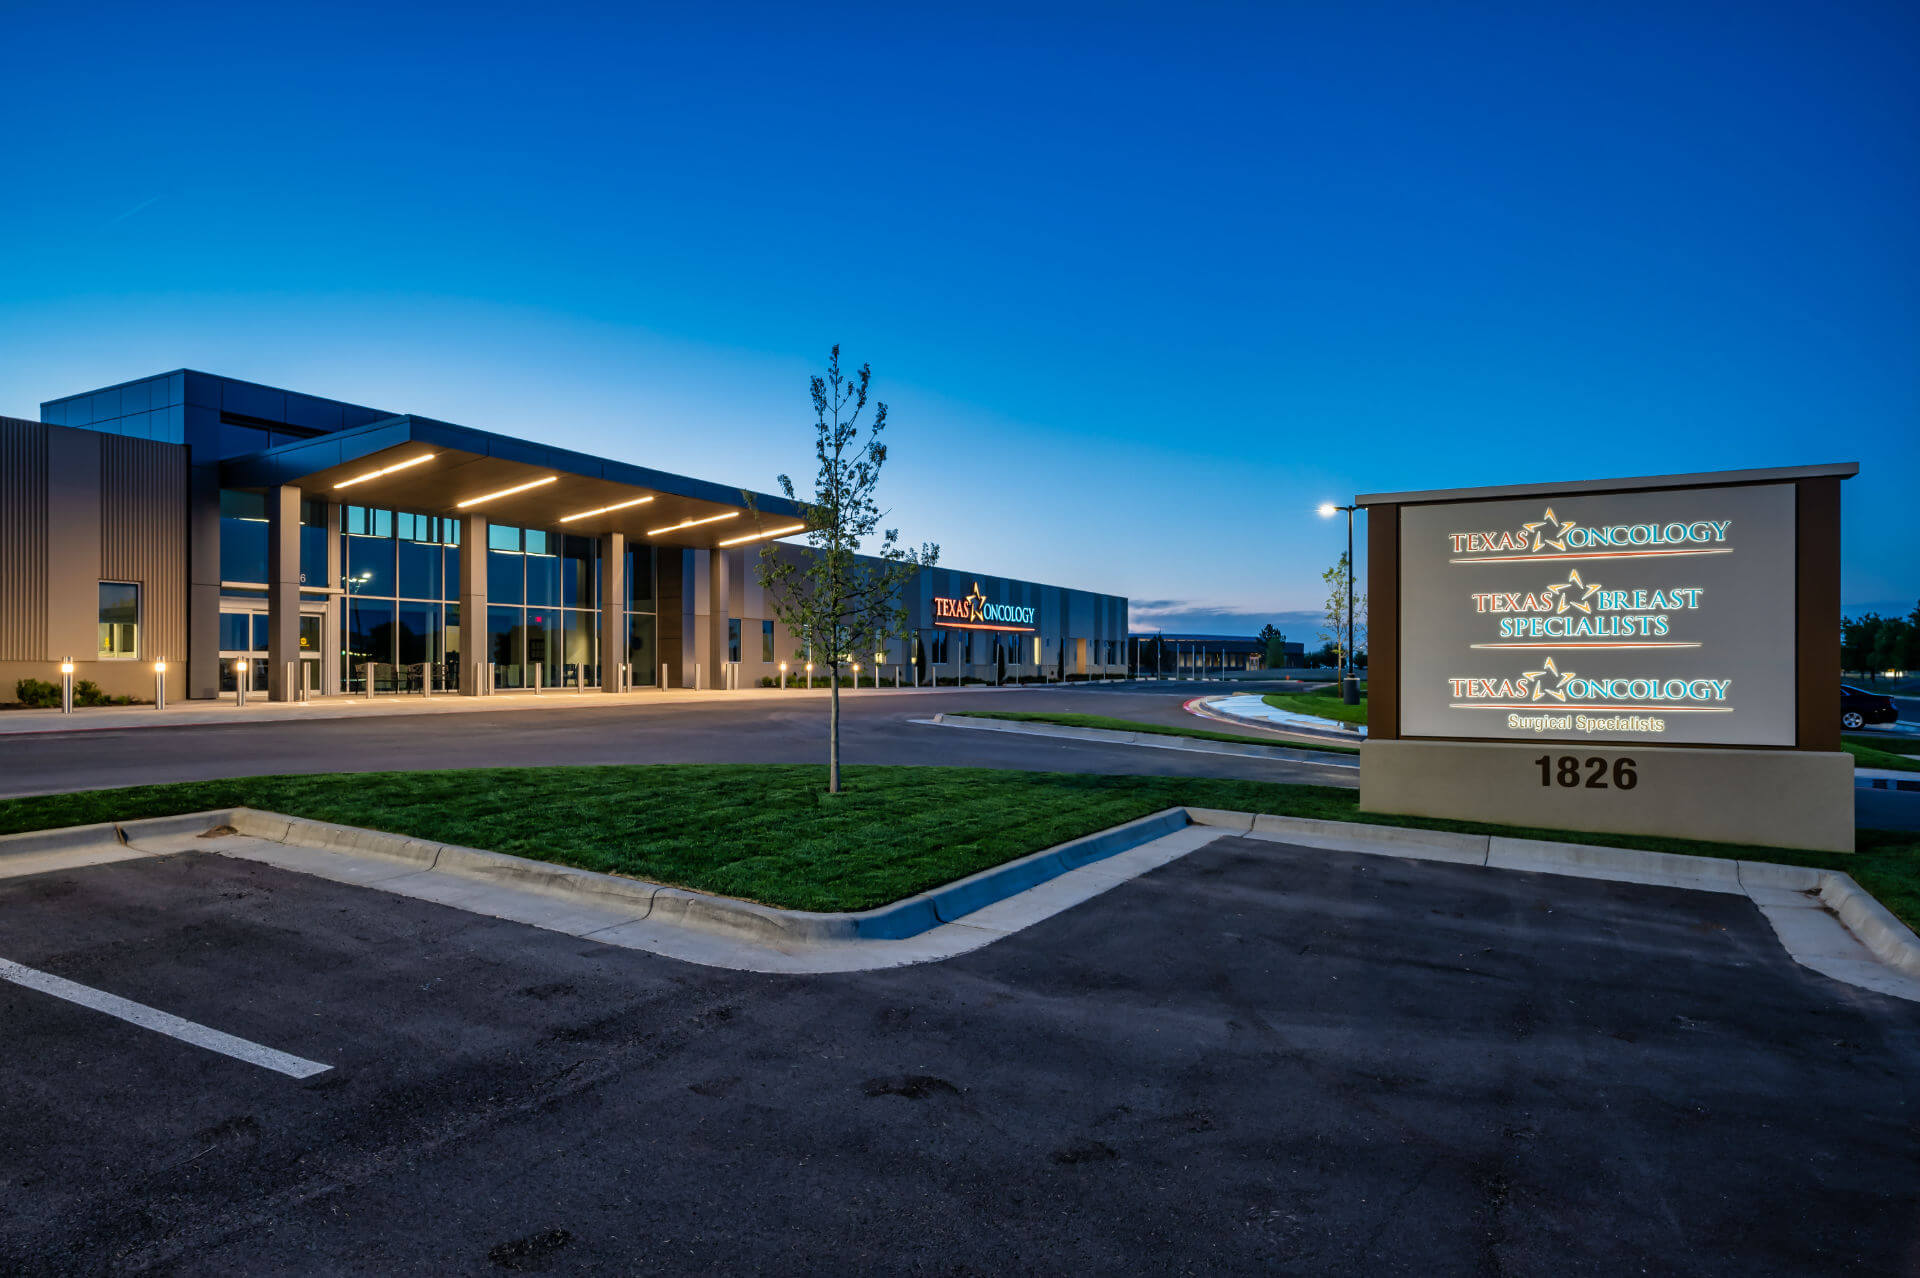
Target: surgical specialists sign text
<point x="1663" y="616"/>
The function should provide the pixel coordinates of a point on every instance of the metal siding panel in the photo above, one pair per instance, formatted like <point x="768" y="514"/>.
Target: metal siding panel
<point x="23" y="540"/>
<point x="143" y="536"/>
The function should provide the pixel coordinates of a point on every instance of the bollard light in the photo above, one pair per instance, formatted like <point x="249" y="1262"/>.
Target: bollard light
<point x="66" y="687"/>
<point x="783" y="674"/>
<point x="160" y="685"/>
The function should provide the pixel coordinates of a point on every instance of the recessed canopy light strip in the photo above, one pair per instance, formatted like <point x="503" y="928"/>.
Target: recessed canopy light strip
<point x="505" y="492"/>
<point x="778" y="532"/>
<point x="693" y="523"/>
<point x="385" y="470"/>
<point x="619" y="505"/>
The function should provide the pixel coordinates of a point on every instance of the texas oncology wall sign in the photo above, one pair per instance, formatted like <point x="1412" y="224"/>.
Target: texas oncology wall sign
<point x="1663" y="616"/>
<point x="976" y="612"/>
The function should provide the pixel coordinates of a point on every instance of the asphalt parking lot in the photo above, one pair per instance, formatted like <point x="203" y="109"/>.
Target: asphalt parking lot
<point x="1258" y="1058"/>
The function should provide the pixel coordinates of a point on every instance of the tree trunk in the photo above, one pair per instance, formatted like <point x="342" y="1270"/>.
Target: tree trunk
<point x="833" y="734"/>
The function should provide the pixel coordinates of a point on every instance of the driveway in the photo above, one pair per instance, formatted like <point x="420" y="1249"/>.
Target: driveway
<point x="1256" y="1059"/>
<point x="878" y="727"/>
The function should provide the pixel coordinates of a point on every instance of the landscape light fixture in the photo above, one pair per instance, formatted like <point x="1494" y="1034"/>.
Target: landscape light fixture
<point x="1349" y="681"/>
<point x="693" y="523"/>
<point x="506" y="492"/>
<point x="385" y="470"/>
<point x="778" y="532"/>
<point x="619" y="505"/>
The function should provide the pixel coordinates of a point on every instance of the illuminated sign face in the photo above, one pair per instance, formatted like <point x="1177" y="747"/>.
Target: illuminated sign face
<point x="977" y="612"/>
<point x="1663" y="616"/>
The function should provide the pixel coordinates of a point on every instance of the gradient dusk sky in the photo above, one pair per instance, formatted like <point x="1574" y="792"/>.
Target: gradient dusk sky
<point x="1143" y="285"/>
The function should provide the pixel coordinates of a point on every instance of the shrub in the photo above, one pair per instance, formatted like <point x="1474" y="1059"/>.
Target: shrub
<point x="37" y="693"/>
<point x="87" y="693"/>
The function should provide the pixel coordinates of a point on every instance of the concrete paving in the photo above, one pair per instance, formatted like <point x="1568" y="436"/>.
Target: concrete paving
<point x="1257" y="1058"/>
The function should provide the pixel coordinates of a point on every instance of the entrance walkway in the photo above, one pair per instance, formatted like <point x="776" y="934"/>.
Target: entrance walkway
<point x="259" y="710"/>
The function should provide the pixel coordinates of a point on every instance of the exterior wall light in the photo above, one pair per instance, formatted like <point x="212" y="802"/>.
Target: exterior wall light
<point x="619" y="505"/>
<point x="693" y="523"/>
<point x="384" y="470"/>
<point x="506" y="492"/>
<point x="778" y="532"/>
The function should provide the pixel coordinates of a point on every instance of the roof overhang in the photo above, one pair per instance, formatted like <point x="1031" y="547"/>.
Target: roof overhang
<point x="418" y="464"/>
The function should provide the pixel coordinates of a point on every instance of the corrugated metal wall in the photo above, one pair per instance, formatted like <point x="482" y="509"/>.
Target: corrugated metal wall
<point x="23" y="540"/>
<point x="143" y="534"/>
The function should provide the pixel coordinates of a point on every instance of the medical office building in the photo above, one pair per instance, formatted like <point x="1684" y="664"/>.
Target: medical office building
<point x="243" y="533"/>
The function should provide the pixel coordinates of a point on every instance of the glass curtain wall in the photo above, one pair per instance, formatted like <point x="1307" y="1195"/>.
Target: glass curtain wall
<point x="642" y="562"/>
<point x="402" y="622"/>
<point x="543" y="596"/>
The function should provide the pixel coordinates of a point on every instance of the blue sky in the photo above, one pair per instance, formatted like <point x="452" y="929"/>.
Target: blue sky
<point x="1142" y="284"/>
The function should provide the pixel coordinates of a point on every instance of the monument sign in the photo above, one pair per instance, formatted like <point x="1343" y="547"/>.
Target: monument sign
<point x="1522" y="636"/>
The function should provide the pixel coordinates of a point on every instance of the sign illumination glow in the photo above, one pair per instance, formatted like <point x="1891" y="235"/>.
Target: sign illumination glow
<point x="1663" y="616"/>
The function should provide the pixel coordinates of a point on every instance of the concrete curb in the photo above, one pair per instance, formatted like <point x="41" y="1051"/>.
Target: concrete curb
<point x="659" y="903"/>
<point x="1771" y="886"/>
<point x="1158" y="741"/>
<point x="1286" y="720"/>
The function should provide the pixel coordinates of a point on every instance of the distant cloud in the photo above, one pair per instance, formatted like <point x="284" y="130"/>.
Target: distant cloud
<point x="147" y="203"/>
<point x="1196" y="616"/>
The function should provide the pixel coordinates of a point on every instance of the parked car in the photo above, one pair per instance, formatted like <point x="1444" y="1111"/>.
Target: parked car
<point x="1858" y="707"/>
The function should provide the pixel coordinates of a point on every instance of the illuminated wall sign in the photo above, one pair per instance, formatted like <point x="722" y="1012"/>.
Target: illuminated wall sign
<point x="977" y="612"/>
<point x="1659" y="616"/>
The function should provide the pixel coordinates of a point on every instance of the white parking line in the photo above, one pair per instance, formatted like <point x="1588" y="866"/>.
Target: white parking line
<point x="162" y="1022"/>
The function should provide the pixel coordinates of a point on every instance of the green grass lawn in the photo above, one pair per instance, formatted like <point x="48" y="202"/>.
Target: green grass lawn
<point x="767" y="833"/>
<point x="1870" y="752"/>
<point x="1130" y="725"/>
<point x="1322" y="703"/>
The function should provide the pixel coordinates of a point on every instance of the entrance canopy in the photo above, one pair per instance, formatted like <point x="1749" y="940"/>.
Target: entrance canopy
<point x="434" y="467"/>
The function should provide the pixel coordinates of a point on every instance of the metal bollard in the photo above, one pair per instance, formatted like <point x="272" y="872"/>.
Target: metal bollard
<point x="306" y="681"/>
<point x="539" y="677"/>
<point x="160" y="685"/>
<point x="66" y="687"/>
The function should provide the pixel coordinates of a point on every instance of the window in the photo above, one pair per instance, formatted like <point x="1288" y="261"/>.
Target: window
<point x="766" y="641"/>
<point x="119" y="621"/>
<point x="733" y="638"/>
<point x="235" y="632"/>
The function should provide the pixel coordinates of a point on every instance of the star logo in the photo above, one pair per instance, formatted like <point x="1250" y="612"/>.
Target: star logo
<point x="1538" y="526"/>
<point x="976" y="603"/>
<point x="1537" y="680"/>
<point x="1563" y="594"/>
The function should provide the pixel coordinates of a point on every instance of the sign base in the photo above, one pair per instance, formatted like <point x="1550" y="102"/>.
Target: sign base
<point x="1772" y="798"/>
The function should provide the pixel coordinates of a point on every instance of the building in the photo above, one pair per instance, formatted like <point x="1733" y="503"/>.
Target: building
<point x="1157" y="652"/>
<point x="243" y="533"/>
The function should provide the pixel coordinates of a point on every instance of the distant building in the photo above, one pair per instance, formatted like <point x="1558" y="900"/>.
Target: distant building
<point x="1157" y="652"/>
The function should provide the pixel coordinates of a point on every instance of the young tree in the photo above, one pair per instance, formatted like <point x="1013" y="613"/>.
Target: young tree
<point x="835" y="600"/>
<point x="1335" y="632"/>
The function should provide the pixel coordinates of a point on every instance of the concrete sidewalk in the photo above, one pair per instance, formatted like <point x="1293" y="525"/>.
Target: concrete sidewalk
<point x="223" y="710"/>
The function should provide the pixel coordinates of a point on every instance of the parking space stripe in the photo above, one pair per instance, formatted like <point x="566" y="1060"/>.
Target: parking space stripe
<point x="160" y="1022"/>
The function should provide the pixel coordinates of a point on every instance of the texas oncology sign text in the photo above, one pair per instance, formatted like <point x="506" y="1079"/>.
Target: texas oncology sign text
<point x="977" y="612"/>
<point x="1651" y="615"/>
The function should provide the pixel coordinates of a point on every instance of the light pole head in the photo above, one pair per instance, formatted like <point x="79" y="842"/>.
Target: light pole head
<point x="1328" y="510"/>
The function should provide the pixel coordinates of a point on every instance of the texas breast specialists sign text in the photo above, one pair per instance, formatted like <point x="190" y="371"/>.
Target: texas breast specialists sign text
<point x="1656" y="616"/>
